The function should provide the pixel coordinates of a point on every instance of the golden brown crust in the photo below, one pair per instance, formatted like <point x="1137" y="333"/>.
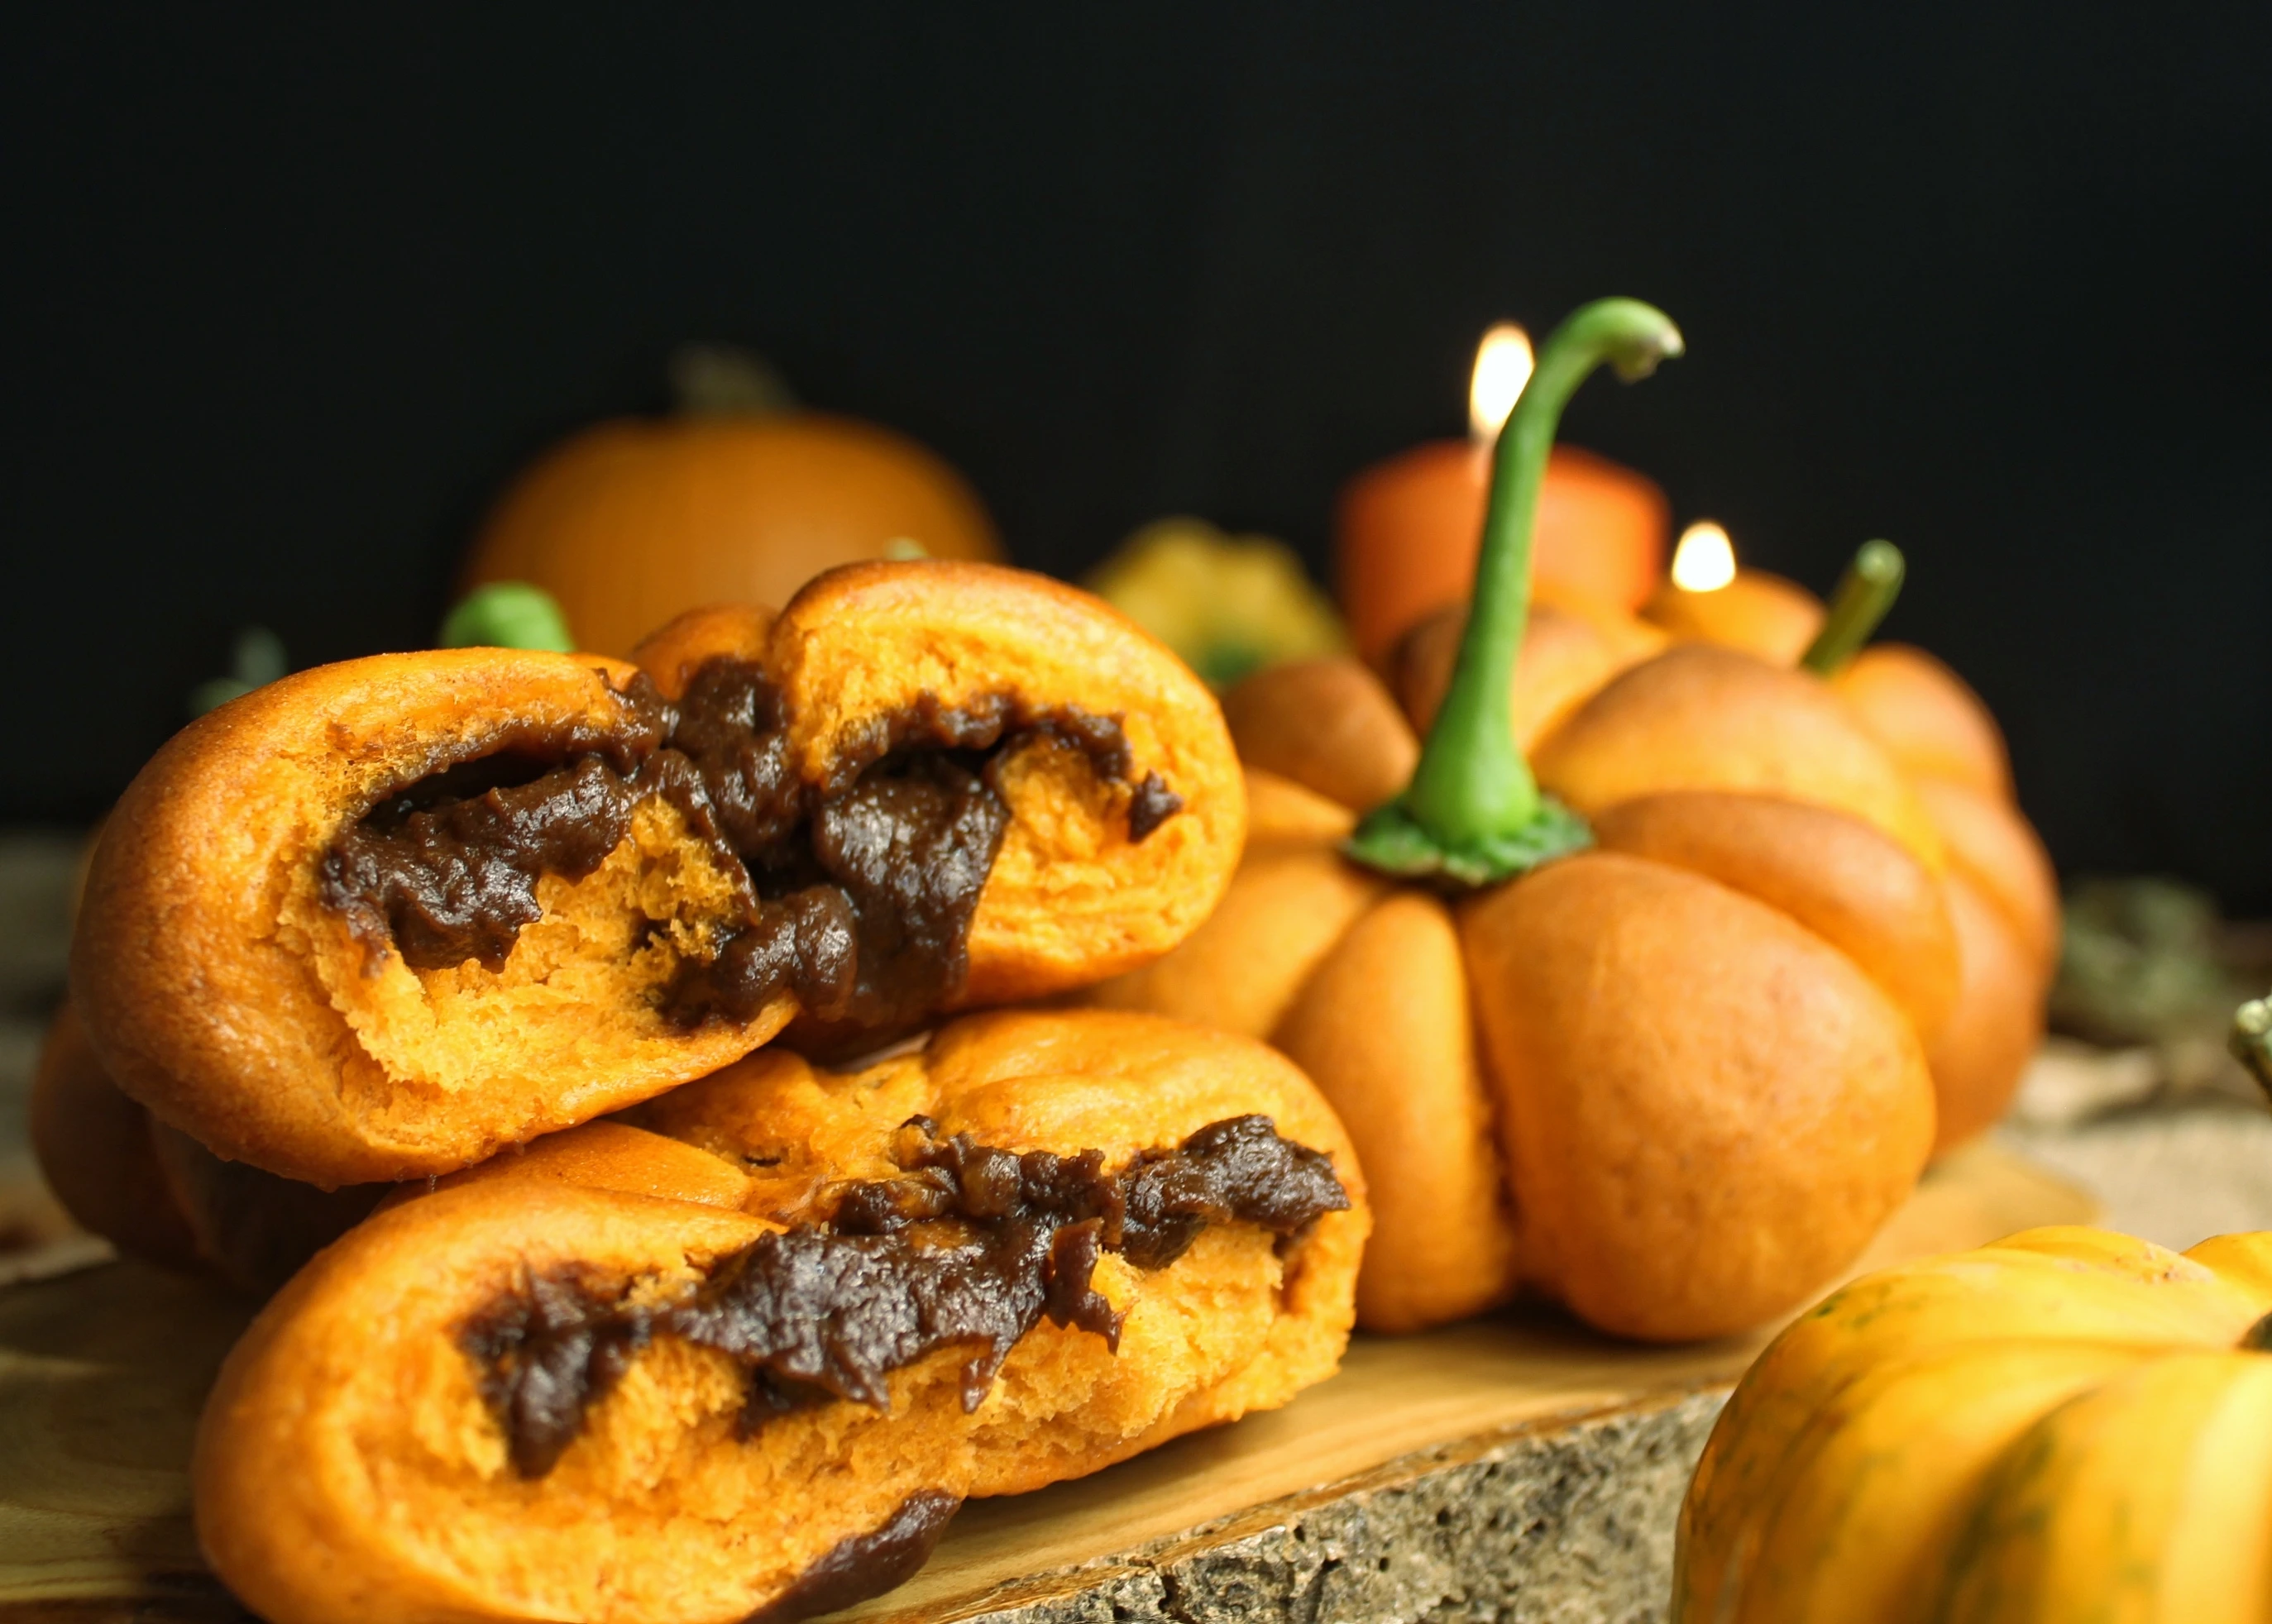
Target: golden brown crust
<point x="2003" y="897"/>
<point x="94" y="1150"/>
<point x="346" y="1466"/>
<point x="1981" y="1052"/>
<point x="1835" y="875"/>
<point x="1403" y="1073"/>
<point x="1625" y="1058"/>
<point x="1240" y="971"/>
<point x="157" y="1194"/>
<point x="1700" y="717"/>
<point x="227" y="995"/>
<point x="1279" y="811"/>
<point x="607" y="1156"/>
<point x="1927" y="716"/>
<point x="1327" y="724"/>
<point x="1999" y="850"/>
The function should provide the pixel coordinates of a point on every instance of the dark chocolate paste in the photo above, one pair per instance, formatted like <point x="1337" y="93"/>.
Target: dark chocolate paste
<point x="545" y="1351"/>
<point x="859" y="890"/>
<point x="970" y="1248"/>
<point x="458" y="879"/>
<point x="1153" y="804"/>
<point x="866" y="1564"/>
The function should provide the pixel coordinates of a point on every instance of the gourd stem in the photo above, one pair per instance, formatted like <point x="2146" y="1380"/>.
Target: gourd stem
<point x="507" y="614"/>
<point x="721" y="380"/>
<point x="1472" y="784"/>
<point x="2252" y="1040"/>
<point x="1865" y="594"/>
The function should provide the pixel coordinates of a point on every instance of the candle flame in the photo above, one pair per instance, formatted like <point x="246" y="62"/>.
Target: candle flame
<point x="1705" y="560"/>
<point x="1503" y="363"/>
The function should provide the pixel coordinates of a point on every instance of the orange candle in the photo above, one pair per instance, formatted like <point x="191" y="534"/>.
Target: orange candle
<point x="1407" y="529"/>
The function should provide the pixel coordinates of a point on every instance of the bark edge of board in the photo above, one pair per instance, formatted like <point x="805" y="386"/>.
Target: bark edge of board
<point x="1568" y="1517"/>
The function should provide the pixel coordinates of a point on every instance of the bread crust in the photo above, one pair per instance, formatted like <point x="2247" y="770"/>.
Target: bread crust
<point x="1623" y="1058"/>
<point x="1841" y="878"/>
<point x="222" y="992"/>
<point x="1700" y="717"/>
<point x="155" y="1192"/>
<point x="94" y="1150"/>
<point x="346" y="1467"/>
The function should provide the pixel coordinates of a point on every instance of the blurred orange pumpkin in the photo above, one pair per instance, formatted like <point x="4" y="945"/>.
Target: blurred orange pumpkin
<point x="1407" y="531"/>
<point x="629" y="523"/>
<point x="1760" y="613"/>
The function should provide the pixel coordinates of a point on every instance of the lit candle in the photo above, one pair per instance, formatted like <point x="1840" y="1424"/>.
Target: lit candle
<point x="1708" y="599"/>
<point x="1407" y="529"/>
<point x="1704" y="559"/>
<point x="1503" y="366"/>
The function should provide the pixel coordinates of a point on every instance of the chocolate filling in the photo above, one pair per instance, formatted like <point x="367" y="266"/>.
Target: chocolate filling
<point x="970" y="1248"/>
<point x="858" y="891"/>
<point x="866" y="1564"/>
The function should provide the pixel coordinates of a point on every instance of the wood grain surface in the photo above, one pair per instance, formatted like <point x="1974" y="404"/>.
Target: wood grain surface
<point x="102" y="1371"/>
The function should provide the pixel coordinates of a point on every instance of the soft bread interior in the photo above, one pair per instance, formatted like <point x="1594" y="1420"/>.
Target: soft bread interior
<point x="579" y="996"/>
<point x="1076" y="891"/>
<point x="221" y="992"/>
<point x="1072" y="898"/>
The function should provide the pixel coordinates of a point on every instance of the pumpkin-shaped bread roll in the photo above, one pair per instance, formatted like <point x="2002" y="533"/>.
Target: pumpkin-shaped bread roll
<point x="377" y="920"/>
<point x="744" y="1363"/>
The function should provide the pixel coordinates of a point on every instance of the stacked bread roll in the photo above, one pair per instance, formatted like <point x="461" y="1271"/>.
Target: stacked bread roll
<point x="657" y="1319"/>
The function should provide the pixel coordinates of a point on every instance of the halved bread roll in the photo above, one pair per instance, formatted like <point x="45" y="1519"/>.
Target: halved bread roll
<point x="377" y="920"/>
<point x="746" y="1367"/>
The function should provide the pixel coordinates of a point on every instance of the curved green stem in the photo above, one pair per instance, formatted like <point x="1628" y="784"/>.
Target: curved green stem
<point x="1865" y="593"/>
<point x="2252" y="1040"/>
<point x="1473" y="812"/>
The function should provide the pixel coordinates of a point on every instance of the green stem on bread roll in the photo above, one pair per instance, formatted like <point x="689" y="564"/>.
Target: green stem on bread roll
<point x="1473" y="813"/>
<point x="1865" y="594"/>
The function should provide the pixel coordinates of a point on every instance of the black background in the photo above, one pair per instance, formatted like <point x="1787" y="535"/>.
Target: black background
<point x="292" y="296"/>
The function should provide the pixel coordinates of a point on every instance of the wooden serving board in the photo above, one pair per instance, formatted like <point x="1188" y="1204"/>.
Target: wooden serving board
<point x="102" y="1372"/>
